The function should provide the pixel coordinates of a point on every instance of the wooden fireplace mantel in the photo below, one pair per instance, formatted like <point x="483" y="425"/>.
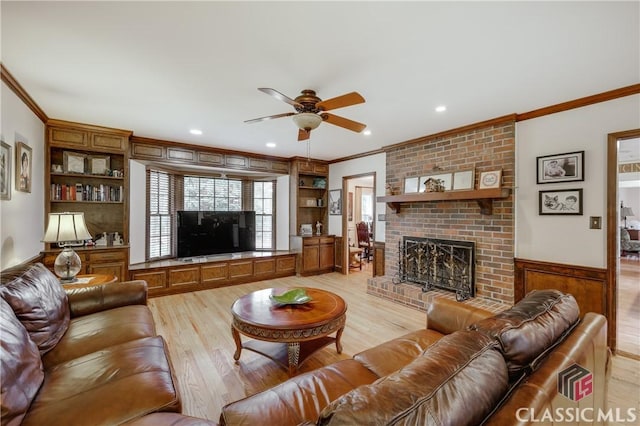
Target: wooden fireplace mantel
<point x="484" y="198"/>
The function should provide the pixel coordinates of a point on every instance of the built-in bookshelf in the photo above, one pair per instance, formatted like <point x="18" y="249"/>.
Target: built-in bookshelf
<point x="88" y="168"/>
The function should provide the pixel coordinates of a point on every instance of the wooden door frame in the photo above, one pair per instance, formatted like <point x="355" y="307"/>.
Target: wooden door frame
<point x="345" y="234"/>
<point x="612" y="231"/>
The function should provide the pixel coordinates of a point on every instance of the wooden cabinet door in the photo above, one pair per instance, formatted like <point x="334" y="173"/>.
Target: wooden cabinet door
<point x="115" y="268"/>
<point x="311" y="258"/>
<point x="327" y="253"/>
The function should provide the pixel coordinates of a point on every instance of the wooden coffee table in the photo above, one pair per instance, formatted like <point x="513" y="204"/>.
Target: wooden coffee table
<point x="288" y="334"/>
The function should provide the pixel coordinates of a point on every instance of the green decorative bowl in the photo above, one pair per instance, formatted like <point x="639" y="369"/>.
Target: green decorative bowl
<point x="296" y="296"/>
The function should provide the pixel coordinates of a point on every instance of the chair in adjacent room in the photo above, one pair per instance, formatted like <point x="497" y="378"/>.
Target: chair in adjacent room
<point x="628" y="247"/>
<point x="364" y="239"/>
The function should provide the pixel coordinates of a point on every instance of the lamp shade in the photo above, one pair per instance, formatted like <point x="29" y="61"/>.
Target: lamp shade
<point x="626" y="212"/>
<point x="66" y="227"/>
<point x="307" y="120"/>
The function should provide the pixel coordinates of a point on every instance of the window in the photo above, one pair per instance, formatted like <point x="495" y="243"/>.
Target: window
<point x="263" y="206"/>
<point x="204" y="193"/>
<point x="160" y="223"/>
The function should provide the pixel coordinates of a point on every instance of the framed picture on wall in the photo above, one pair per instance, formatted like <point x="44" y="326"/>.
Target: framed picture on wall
<point x="568" y="167"/>
<point x="560" y="202"/>
<point x="335" y="202"/>
<point x="23" y="167"/>
<point x="5" y="171"/>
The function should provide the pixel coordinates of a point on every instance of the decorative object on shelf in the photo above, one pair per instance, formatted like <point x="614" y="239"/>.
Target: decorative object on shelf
<point x="117" y="173"/>
<point x="99" y="164"/>
<point x="388" y="189"/>
<point x="410" y="185"/>
<point x="295" y="296"/>
<point x="446" y="178"/>
<point x="463" y="180"/>
<point x="56" y="168"/>
<point x="625" y="212"/>
<point x="568" y="167"/>
<point x="5" y="171"/>
<point x="433" y="185"/>
<point x="311" y="202"/>
<point x="318" y="228"/>
<point x="320" y="202"/>
<point x="117" y="239"/>
<point x="301" y="182"/>
<point x="319" y="183"/>
<point x="335" y="202"/>
<point x="23" y="167"/>
<point x="560" y="202"/>
<point x="491" y="179"/>
<point x="73" y="162"/>
<point x="66" y="229"/>
<point x="102" y="240"/>
<point x="306" y="229"/>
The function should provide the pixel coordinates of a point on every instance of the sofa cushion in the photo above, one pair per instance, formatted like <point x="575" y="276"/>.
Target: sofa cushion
<point x="39" y="301"/>
<point x="91" y="333"/>
<point x="300" y="398"/>
<point x="20" y="367"/>
<point x="392" y="355"/>
<point x="531" y="327"/>
<point x="457" y="381"/>
<point x="108" y="387"/>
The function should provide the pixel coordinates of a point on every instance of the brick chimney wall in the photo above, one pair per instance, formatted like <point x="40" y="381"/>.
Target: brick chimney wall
<point x="483" y="149"/>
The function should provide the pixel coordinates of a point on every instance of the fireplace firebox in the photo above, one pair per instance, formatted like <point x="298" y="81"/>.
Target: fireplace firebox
<point x="436" y="263"/>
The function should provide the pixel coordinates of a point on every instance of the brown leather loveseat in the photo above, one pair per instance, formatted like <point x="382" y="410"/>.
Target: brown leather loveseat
<point x="467" y="367"/>
<point x="85" y="356"/>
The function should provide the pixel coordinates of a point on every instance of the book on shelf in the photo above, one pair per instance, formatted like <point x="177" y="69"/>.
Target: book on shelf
<point x="79" y="192"/>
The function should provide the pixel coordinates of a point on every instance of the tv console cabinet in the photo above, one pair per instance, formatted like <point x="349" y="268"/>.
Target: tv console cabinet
<point x="200" y="273"/>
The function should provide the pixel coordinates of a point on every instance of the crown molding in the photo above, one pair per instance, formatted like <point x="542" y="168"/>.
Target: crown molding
<point x="581" y="102"/>
<point x="16" y="88"/>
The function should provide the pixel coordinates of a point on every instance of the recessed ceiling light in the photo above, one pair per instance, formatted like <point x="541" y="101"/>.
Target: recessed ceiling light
<point x="195" y="131"/>
<point x="271" y="145"/>
<point x="441" y="108"/>
<point x="366" y="132"/>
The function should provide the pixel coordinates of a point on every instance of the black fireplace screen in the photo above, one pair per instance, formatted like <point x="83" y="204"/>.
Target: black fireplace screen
<point x="435" y="263"/>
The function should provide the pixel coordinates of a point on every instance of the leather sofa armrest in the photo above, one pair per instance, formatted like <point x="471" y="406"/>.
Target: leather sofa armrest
<point x="447" y="316"/>
<point x="91" y="299"/>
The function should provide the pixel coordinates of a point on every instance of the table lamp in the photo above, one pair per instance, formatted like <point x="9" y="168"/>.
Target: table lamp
<point x="625" y="212"/>
<point x="66" y="229"/>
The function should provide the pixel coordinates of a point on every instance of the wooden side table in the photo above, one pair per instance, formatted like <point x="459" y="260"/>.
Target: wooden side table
<point x="88" y="280"/>
<point x="288" y="334"/>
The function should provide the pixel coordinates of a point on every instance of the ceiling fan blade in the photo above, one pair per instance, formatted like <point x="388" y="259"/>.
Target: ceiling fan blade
<point x="349" y="99"/>
<point x="270" y="117"/>
<point x="343" y="122"/>
<point x="279" y="96"/>
<point x="303" y="135"/>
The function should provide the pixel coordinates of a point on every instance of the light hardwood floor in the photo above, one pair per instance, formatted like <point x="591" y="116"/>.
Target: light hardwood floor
<point x="197" y="328"/>
<point x="628" y="322"/>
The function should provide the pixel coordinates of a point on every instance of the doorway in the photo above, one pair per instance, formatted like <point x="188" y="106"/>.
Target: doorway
<point x="359" y="211"/>
<point x="623" y="190"/>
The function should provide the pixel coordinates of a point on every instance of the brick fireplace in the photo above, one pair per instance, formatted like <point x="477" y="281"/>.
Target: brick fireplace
<point x="482" y="148"/>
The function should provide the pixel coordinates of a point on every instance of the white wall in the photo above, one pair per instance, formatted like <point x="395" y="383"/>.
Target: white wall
<point x="372" y="163"/>
<point x="22" y="217"/>
<point x="137" y="211"/>
<point x="568" y="239"/>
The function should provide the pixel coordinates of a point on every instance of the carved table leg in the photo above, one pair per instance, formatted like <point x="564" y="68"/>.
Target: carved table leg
<point x="293" y="352"/>
<point x="338" y="342"/>
<point x="236" y="338"/>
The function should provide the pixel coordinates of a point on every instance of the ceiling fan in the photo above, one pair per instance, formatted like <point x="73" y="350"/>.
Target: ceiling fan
<point x="311" y="111"/>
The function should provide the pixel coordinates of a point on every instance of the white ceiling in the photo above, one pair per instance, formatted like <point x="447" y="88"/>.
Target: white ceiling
<point x="162" y="68"/>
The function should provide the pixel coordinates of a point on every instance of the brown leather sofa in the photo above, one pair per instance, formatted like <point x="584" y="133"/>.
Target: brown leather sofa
<point x="84" y="356"/>
<point x="467" y="367"/>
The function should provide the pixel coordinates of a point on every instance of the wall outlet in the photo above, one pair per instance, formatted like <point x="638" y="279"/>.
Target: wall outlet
<point x="595" y="222"/>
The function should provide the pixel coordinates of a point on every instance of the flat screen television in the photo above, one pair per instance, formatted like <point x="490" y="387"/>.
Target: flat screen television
<point x="201" y="233"/>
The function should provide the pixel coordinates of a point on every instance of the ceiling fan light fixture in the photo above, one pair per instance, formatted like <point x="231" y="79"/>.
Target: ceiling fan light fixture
<point x="307" y="120"/>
